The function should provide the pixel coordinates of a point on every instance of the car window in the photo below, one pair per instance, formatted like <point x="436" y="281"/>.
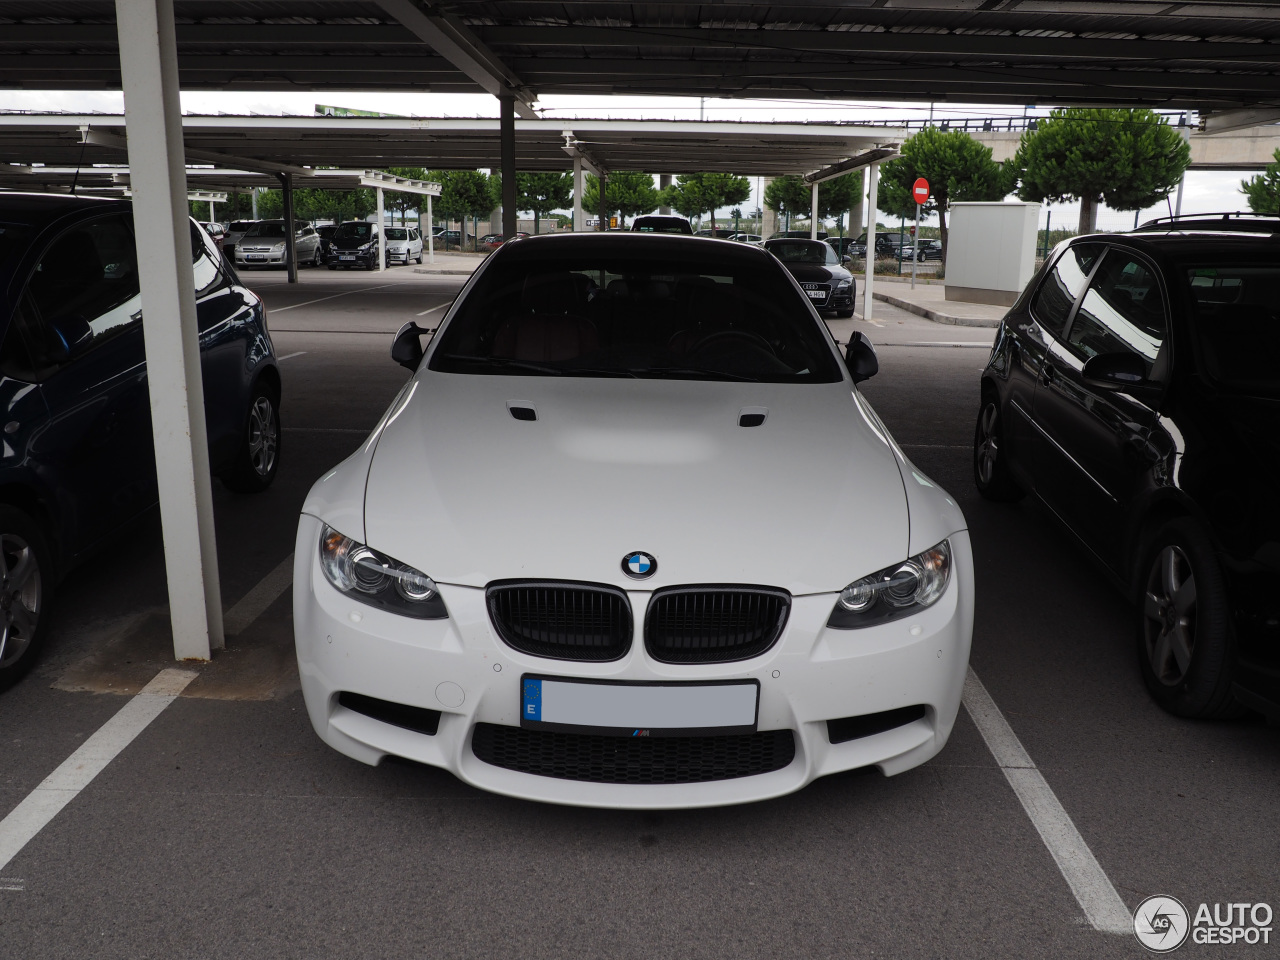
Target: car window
<point x="204" y="264"/>
<point x="354" y="231"/>
<point x="83" y="291"/>
<point x="1235" y="313"/>
<point x="397" y="233"/>
<point x="1052" y="303"/>
<point x="688" y="319"/>
<point x="269" y="230"/>
<point x="798" y="251"/>
<point x="1122" y="311"/>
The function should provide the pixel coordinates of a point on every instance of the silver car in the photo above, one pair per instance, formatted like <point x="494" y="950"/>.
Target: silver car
<point x="263" y="245"/>
<point x="403" y="244"/>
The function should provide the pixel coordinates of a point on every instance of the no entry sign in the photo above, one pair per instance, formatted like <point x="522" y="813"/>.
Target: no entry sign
<point x="920" y="190"/>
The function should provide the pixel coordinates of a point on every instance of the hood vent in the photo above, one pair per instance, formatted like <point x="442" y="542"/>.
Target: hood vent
<point x="522" y="411"/>
<point x="752" y="416"/>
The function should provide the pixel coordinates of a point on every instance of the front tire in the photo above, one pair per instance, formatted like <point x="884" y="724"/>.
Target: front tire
<point x="1186" y="647"/>
<point x="26" y="593"/>
<point x="990" y="460"/>
<point x="258" y="460"/>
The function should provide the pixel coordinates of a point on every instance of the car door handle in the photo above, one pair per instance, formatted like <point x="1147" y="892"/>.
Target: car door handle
<point x="1047" y="374"/>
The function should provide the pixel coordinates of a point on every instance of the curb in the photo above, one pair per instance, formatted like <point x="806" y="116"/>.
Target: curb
<point x="934" y="315"/>
<point x="446" y="271"/>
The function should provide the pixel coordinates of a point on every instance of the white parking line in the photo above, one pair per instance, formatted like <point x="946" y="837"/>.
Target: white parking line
<point x="443" y="306"/>
<point x="306" y="303"/>
<point x="254" y="603"/>
<point x="76" y="772"/>
<point x="12" y="883"/>
<point x="290" y="356"/>
<point x="1094" y="892"/>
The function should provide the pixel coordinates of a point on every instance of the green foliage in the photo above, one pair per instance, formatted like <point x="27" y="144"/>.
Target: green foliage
<point x="693" y="194"/>
<point x="627" y="193"/>
<point x="791" y="195"/>
<point x="542" y="193"/>
<point x="1129" y="159"/>
<point x="465" y="193"/>
<point x="402" y="203"/>
<point x="1263" y="190"/>
<point x="957" y="167"/>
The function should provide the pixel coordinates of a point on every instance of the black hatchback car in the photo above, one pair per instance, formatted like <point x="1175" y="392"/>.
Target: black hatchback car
<point x="1134" y="388"/>
<point x="820" y="272"/>
<point x="353" y="244"/>
<point x="78" y="461"/>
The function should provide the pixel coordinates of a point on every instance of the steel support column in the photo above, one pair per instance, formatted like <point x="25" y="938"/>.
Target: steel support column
<point x="664" y="181"/>
<point x="813" y="212"/>
<point x="153" y="122"/>
<point x="382" y="250"/>
<point x="873" y="197"/>
<point x="579" y="218"/>
<point x="604" y="203"/>
<point x="507" y="149"/>
<point x="290" y="230"/>
<point x="431" y="232"/>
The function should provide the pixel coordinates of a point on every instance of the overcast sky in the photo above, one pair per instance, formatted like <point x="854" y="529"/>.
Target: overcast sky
<point x="1205" y="190"/>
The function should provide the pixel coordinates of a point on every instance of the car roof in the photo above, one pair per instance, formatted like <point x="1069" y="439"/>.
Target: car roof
<point x="1189" y="241"/>
<point x="37" y="209"/>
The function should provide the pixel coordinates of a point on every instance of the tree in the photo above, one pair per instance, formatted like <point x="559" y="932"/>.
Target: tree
<point x="465" y="193"/>
<point x="1263" y="190"/>
<point x="1129" y="159"/>
<point x="696" y="193"/>
<point x="626" y="193"/>
<point x="957" y="167"/>
<point x="403" y="202"/>
<point x="792" y="196"/>
<point x="542" y="193"/>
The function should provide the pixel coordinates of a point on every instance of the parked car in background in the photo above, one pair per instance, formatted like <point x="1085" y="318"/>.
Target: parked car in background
<point x="661" y="223"/>
<point x="820" y="273"/>
<point x="215" y="230"/>
<point x="78" y="460"/>
<point x="492" y="241"/>
<point x="884" y="247"/>
<point x="1133" y="388"/>
<point x="847" y="246"/>
<point x="354" y="244"/>
<point x="263" y="245"/>
<point x="747" y="237"/>
<point x="235" y="230"/>
<point x="706" y="572"/>
<point x="719" y="233"/>
<point x="930" y="249"/>
<point x="796" y="235"/>
<point x="403" y="244"/>
<point x="325" y="234"/>
<point x="450" y="238"/>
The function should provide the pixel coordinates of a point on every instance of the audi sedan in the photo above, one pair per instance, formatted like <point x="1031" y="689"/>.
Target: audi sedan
<point x="820" y="271"/>
<point x="582" y="559"/>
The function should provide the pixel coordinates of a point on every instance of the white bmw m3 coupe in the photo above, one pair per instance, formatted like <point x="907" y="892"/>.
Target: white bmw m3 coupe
<point x="631" y="537"/>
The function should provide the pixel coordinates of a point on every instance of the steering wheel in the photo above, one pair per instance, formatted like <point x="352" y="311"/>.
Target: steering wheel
<point x="731" y="336"/>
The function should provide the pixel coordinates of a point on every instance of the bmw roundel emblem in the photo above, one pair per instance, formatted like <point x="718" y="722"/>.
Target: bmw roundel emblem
<point x="639" y="565"/>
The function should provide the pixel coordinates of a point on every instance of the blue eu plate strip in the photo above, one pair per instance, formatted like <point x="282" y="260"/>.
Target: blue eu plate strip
<point x="532" y="699"/>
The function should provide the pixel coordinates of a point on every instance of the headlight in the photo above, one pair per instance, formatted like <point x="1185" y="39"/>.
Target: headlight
<point x="366" y="247"/>
<point x="901" y="590"/>
<point x="279" y="245"/>
<point x="373" y="578"/>
<point x="846" y="282"/>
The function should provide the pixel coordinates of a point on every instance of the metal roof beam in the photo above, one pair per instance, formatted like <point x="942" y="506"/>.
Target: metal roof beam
<point x="450" y="38"/>
<point x="1229" y="120"/>
<point x="576" y="150"/>
<point x="853" y="163"/>
<point x="116" y="142"/>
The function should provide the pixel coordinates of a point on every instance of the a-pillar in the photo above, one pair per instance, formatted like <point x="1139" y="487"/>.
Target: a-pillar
<point x="813" y="212"/>
<point x="873" y="197"/>
<point x="290" y="230"/>
<point x="604" y="203"/>
<point x="664" y="182"/>
<point x="153" y="124"/>
<point x="381" y="251"/>
<point x="507" y="148"/>
<point x="579" y="218"/>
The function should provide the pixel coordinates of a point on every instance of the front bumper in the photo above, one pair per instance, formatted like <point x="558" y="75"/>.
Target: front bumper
<point x="461" y="668"/>
<point x="399" y="256"/>
<point x="349" y="258"/>
<point x="259" y="259"/>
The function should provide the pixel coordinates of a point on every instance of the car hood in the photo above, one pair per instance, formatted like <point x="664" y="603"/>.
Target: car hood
<point x="808" y="501"/>
<point x="816" y="272"/>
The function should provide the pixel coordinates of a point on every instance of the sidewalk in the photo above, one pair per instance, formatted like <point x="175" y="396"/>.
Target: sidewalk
<point x="451" y="264"/>
<point x="929" y="301"/>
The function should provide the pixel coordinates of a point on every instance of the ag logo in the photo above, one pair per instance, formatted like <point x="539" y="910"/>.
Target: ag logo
<point x="1161" y="924"/>
<point x="639" y="565"/>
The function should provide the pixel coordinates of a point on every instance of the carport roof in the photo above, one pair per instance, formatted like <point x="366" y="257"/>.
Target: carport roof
<point x="1209" y="55"/>
<point x="378" y="142"/>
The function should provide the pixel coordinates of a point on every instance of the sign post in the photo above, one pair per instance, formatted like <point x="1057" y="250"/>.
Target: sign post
<point x="920" y="191"/>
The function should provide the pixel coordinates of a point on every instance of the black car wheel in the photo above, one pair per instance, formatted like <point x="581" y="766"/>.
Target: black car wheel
<point x="26" y="593"/>
<point x="990" y="465"/>
<point x="333" y="266"/>
<point x="258" y="459"/>
<point x="315" y="258"/>
<point x="1185" y="643"/>
<point x="845" y="314"/>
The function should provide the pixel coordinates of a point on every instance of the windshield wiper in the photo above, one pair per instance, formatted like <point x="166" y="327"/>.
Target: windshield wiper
<point x="506" y="363"/>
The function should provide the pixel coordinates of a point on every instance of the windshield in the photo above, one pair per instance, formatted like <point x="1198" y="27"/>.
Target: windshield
<point x="633" y="317"/>
<point x="266" y="229"/>
<point x="1236" y="319"/>
<point x="661" y="225"/>
<point x="354" y="231"/>
<point x="799" y="251"/>
<point x="396" y="233"/>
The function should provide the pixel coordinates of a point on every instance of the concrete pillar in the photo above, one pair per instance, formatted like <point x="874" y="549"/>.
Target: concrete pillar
<point x="212" y="216"/>
<point x="604" y="204"/>
<point x="507" y="148"/>
<point x="495" y="220"/>
<point x="856" y="216"/>
<point x="579" y="181"/>
<point x="769" y="223"/>
<point x="873" y="197"/>
<point x="290" y="248"/>
<point x="381" y="251"/>
<point x="813" y="212"/>
<point x="664" y="181"/>
<point x="431" y="233"/>
<point x="153" y="124"/>
<point x="253" y="200"/>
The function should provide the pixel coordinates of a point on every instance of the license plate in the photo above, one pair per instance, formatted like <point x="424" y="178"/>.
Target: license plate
<point x="255" y="256"/>
<point x="639" y="709"/>
<point x="346" y="258"/>
<point x="817" y="294"/>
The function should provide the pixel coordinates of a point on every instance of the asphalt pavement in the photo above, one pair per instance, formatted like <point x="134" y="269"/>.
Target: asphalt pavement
<point x="226" y="828"/>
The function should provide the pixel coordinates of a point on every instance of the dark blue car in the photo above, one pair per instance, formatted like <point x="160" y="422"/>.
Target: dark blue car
<point x="77" y="460"/>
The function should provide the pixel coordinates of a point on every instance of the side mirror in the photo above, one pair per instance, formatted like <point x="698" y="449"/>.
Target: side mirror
<point x="1119" y="371"/>
<point x="860" y="356"/>
<point x="846" y="259"/>
<point x="406" y="349"/>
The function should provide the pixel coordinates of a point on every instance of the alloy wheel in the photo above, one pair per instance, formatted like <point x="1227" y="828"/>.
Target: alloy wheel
<point x="20" y="598"/>
<point x="263" y="436"/>
<point x="1169" y="615"/>
<point x="988" y="443"/>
